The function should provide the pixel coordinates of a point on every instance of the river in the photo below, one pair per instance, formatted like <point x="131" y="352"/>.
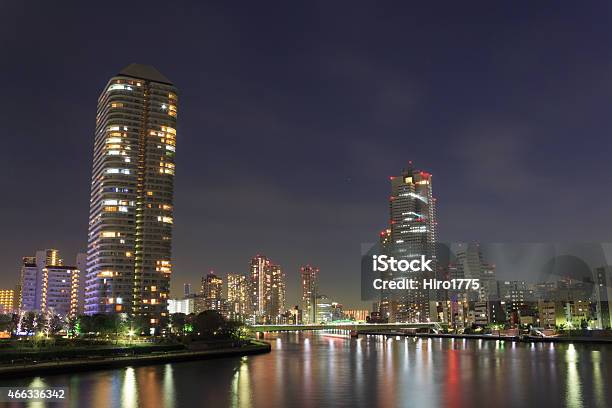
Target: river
<point x="324" y="369"/>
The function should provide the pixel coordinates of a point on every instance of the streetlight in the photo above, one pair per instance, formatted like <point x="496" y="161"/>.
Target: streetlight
<point x="131" y="334"/>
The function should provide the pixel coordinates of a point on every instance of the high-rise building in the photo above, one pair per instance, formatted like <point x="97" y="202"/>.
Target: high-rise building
<point x="259" y="287"/>
<point x="413" y="234"/>
<point x="603" y="296"/>
<point x="131" y="207"/>
<point x="60" y="290"/>
<point x="187" y="289"/>
<point x="212" y="292"/>
<point x="47" y="285"/>
<point x="309" y="276"/>
<point x="470" y="265"/>
<point x="7" y="301"/>
<point x="212" y="286"/>
<point x="29" y="282"/>
<point x="267" y="287"/>
<point x="186" y="306"/>
<point x="238" y="296"/>
<point x="276" y="303"/>
<point x="324" y="310"/>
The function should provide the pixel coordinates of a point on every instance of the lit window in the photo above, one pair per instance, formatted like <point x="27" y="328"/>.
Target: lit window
<point x="119" y="87"/>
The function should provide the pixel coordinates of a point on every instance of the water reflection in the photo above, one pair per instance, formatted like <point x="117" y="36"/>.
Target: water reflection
<point x="129" y="390"/>
<point x="573" y="391"/>
<point x="332" y="369"/>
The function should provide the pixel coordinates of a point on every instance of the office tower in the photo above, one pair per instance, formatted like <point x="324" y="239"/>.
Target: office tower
<point x="186" y="306"/>
<point x="187" y="289"/>
<point x="131" y="214"/>
<point x="267" y="289"/>
<point x="324" y="310"/>
<point x="238" y="296"/>
<point x="60" y="290"/>
<point x="471" y="265"/>
<point x="212" y="292"/>
<point x="310" y="289"/>
<point x="413" y="234"/>
<point x="276" y="303"/>
<point x="7" y="301"/>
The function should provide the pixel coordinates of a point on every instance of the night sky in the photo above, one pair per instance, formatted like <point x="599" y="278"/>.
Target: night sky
<point x="293" y="115"/>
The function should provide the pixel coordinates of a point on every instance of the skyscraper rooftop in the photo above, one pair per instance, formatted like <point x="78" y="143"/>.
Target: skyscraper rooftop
<point x="146" y="72"/>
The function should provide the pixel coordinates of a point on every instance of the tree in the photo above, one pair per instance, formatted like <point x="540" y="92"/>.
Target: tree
<point x="210" y="324"/>
<point x="7" y="323"/>
<point x="55" y="324"/>
<point x="73" y="326"/>
<point x="41" y="323"/>
<point x="177" y="322"/>
<point x="28" y="320"/>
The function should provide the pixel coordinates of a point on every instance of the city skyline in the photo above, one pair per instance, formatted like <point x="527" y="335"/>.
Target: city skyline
<point x="507" y="112"/>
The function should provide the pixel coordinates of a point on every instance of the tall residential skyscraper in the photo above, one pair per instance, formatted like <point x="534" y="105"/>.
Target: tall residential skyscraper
<point x="259" y="287"/>
<point x="310" y="290"/>
<point x="276" y="303"/>
<point x="212" y="292"/>
<point x="267" y="290"/>
<point x="238" y="296"/>
<point x="130" y="219"/>
<point x="413" y="233"/>
<point x="212" y="286"/>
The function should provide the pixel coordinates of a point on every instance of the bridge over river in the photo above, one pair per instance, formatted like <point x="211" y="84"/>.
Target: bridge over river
<point x="359" y="327"/>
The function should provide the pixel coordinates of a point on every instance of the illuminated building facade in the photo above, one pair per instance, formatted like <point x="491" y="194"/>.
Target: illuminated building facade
<point x="212" y="286"/>
<point x="7" y="301"/>
<point x="357" y="314"/>
<point x="267" y="290"/>
<point x="60" y="290"/>
<point x="212" y="292"/>
<point x="238" y="296"/>
<point x="131" y="214"/>
<point x="276" y="302"/>
<point x="47" y="285"/>
<point x="310" y="288"/>
<point x="28" y="283"/>
<point x="413" y="233"/>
